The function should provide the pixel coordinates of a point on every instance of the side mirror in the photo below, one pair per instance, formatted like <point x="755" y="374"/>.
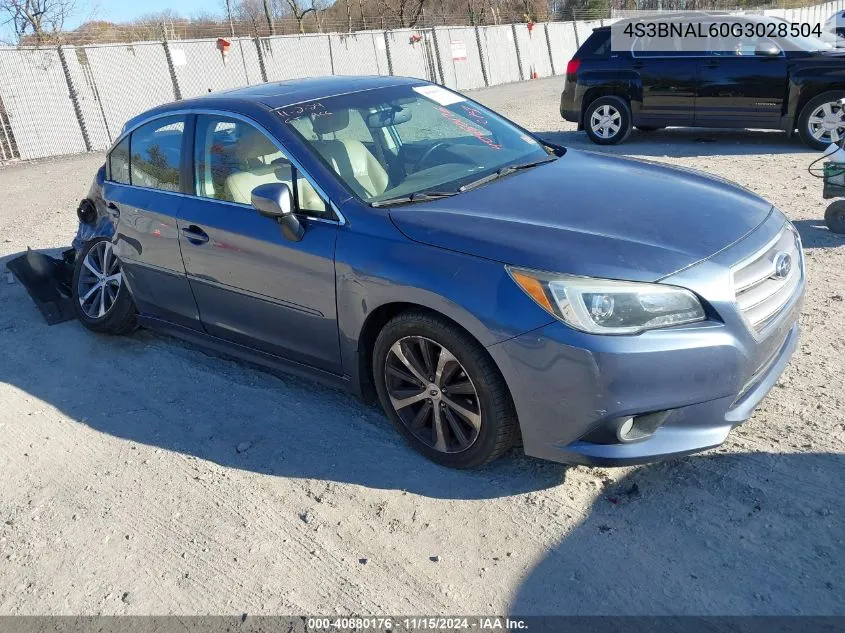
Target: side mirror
<point x="274" y="200"/>
<point x="767" y="48"/>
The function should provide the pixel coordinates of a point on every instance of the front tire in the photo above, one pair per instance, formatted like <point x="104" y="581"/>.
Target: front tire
<point x="822" y="120"/>
<point x="442" y="391"/>
<point x="607" y="120"/>
<point x="100" y="297"/>
<point x="834" y="217"/>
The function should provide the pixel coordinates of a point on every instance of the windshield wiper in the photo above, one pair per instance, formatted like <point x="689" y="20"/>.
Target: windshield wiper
<point x="504" y="171"/>
<point x="420" y="196"/>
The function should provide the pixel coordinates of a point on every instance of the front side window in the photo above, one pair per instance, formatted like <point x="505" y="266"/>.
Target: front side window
<point x="156" y="154"/>
<point x="414" y="139"/>
<point x="232" y="158"/>
<point x="119" y="162"/>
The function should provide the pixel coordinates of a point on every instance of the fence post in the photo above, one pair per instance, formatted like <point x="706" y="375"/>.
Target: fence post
<point x="74" y="98"/>
<point x="549" y="47"/>
<point x="387" y="52"/>
<point x="437" y="57"/>
<point x="575" y="30"/>
<point x="261" y="63"/>
<point x="177" y="92"/>
<point x="331" y="56"/>
<point x="481" y="56"/>
<point x="518" y="56"/>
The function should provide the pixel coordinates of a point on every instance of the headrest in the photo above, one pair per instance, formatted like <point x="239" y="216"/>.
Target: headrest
<point x="253" y="144"/>
<point x="331" y="122"/>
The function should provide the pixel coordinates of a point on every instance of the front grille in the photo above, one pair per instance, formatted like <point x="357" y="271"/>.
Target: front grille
<point x="762" y="290"/>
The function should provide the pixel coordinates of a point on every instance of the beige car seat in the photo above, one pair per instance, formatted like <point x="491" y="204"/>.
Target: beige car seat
<point x="255" y="155"/>
<point x="350" y="158"/>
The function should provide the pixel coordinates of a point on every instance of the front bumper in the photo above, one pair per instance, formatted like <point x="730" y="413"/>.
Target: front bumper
<point x="709" y="377"/>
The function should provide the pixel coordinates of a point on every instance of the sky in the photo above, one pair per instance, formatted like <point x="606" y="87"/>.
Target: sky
<point x="125" y="10"/>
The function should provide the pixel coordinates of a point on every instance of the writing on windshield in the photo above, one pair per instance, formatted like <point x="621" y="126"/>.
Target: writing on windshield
<point x="465" y="126"/>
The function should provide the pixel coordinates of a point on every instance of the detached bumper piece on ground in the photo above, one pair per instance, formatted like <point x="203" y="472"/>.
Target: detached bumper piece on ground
<point x="48" y="281"/>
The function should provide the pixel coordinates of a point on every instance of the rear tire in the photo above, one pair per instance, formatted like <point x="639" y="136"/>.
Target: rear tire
<point x="834" y="217"/>
<point x="607" y="120"/>
<point x="100" y="297"/>
<point x="459" y="411"/>
<point x="818" y="112"/>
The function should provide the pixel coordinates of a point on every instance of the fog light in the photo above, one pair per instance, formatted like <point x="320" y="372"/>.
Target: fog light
<point x="627" y="429"/>
<point x="623" y="433"/>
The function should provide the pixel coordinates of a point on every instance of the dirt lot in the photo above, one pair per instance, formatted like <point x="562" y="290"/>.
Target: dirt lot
<point x="123" y="490"/>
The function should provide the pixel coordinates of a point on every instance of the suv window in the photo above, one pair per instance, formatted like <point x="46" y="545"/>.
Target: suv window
<point x="671" y="46"/>
<point x="232" y="158"/>
<point x="156" y="154"/>
<point x="597" y="45"/>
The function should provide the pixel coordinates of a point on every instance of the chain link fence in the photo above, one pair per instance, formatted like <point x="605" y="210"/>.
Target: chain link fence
<point x="72" y="99"/>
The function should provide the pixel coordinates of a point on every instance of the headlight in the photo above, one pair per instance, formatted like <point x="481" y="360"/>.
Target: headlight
<point x="606" y="306"/>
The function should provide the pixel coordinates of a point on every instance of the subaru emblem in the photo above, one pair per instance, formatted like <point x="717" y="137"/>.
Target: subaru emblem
<point x="783" y="265"/>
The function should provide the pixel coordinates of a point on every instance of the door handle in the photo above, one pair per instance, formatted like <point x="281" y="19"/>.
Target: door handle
<point x="637" y="65"/>
<point x="194" y="234"/>
<point x="713" y="64"/>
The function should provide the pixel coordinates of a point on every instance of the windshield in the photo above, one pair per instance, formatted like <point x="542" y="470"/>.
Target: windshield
<point x="409" y="140"/>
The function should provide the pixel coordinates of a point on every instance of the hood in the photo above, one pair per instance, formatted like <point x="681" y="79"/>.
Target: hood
<point x="591" y="214"/>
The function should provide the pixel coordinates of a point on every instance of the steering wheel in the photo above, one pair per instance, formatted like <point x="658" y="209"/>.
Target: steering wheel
<point x="427" y="153"/>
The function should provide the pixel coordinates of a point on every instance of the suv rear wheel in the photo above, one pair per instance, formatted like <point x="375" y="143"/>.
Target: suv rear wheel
<point x="607" y="120"/>
<point x="822" y="120"/>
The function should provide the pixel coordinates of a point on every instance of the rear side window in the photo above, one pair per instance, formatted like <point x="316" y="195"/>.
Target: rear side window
<point x="157" y="154"/>
<point x="119" y="162"/>
<point x="597" y="45"/>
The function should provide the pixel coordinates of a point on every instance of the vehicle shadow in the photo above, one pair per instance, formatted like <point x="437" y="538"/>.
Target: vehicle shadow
<point x="815" y="234"/>
<point x="687" y="142"/>
<point x="159" y="391"/>
<point x="719" y="534"/>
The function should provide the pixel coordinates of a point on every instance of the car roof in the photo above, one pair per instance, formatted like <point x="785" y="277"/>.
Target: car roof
<point x="284" y="93"/>
<point x="279" y="94"/>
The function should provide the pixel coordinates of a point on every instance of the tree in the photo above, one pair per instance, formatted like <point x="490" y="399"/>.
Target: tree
<point x="38" y="18"/>
<point x="268" y="15"/>
<point x="405" y="12"/>
<point x="299" y="12"/>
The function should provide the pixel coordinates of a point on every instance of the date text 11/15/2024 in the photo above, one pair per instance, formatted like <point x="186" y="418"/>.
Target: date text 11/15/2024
<point x="416" y="623"/>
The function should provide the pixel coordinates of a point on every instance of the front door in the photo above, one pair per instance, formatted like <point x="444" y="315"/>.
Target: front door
<point x="738" y="86"/>
<point x="143" y="190"/>
<point x="253" y="286"/>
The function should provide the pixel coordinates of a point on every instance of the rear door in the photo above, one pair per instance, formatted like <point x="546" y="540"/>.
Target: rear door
<point x="253" y="286"/>
<point x="738" y="87"/>
<point x="143" y="189"/>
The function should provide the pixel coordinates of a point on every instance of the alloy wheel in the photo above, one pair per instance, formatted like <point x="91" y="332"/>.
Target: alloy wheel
<point x="606" y="121"/>
<point x="827" y="123"/>
<point x="99" y="280"/>
<point x="432" y="394"/>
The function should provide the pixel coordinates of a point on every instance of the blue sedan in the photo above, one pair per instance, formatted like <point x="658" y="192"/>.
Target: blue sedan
<point x="394" y="238"/>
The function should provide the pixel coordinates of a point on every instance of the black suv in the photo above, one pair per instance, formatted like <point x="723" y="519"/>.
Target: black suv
<point x="738" y="82"/>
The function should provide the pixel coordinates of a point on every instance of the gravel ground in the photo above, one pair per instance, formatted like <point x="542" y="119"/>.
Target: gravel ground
<point x="143" y="476"/>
